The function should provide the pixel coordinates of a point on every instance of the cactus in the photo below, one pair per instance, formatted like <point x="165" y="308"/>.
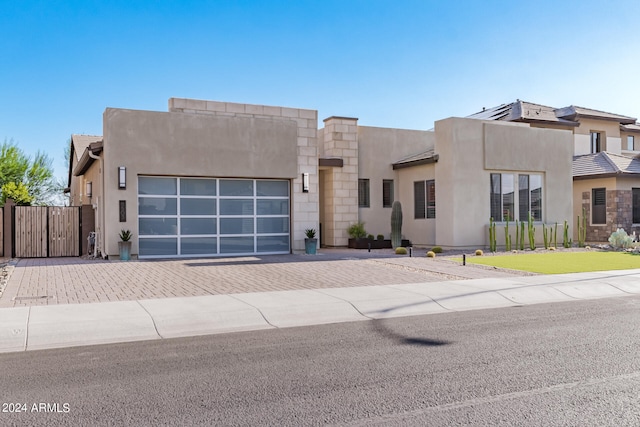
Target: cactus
<point x="566" y="241"/>
<point x="532" y="233"/>
<point x="555" y="236"/>
<point x="396" y="224"/>
<point x="582" y="229"/>
<point x="507" y="237"/>
<point x="492" y="235"/>
<point x="521" y="246"/>
<point x="545" y="236"/>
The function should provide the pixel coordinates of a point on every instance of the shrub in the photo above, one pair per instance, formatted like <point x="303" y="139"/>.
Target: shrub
<point x="401" y="251"/>
<point x="380" y="237"/>
<point x="619" y="239"/>
<point x="479" y="252"/>
<point x="370" y="236"/>
<point x="357" y="231"/>
<point x="436" y="250"/>
<point x="431" y="254"/>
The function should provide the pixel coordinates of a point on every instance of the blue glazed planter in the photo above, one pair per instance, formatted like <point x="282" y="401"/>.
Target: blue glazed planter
<point x="125" y="250"/>
<point x="310" y="246"/>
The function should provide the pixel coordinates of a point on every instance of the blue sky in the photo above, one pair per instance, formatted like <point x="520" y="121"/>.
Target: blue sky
<point x="390" y="63"/>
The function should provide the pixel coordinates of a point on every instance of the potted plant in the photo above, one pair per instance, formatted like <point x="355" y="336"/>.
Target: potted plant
<point x="310" y="242"/>
<point x="358" y="236"/>
<point x="124" y="245"/>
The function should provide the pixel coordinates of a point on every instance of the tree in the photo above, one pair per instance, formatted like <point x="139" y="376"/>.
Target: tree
<point x="16" y="192"/>
<point x="35" y="175"/>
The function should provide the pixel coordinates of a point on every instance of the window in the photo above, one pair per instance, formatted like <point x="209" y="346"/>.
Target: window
<point x="630" y="141"/>
<point x="635" y="205"/>
<point x="599" y="206"/>
<point x="503" y="197"/>
<point x="596" y="142"/>
<point x="387" y="193"/>
<point x="424" y="196"/>
<point x="363" y="193"/>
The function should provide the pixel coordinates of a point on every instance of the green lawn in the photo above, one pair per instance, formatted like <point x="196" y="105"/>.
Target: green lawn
<point x="561" y="262"/>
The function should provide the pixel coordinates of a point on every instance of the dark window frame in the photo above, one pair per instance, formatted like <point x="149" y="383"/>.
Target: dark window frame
<point x="424" y="199"/>
<point x="596" y="142"/>
<point x="364" y="199"/>
<point x="599" y="206"/>
<point x="635" y="205"/>
<point x="387" y="193"/>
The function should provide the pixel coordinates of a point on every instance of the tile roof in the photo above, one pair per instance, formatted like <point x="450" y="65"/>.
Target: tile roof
<point x="522" y="111"/>
<point x="81" y="142"/>
<point x="422" y="158"/>
<point x="574" y="111"/>
<point x="603" y="163"/>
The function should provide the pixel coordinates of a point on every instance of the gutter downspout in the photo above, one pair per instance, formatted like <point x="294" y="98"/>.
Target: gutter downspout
<point x="97" y="248"/>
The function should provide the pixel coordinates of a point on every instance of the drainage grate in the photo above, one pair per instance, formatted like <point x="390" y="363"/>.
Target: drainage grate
<point x="36" y="297"/>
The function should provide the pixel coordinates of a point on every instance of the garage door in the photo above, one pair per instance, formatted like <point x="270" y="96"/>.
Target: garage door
<point x="182" y="217"/>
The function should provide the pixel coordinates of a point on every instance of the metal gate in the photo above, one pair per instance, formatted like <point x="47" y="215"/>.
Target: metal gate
<point x="46" y="231"/>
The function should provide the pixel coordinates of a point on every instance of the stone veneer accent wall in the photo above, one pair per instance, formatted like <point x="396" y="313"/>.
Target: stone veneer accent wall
<point x="340" y="184"/>
<point x="619" y="215"/>
<point x="304" y="213"/>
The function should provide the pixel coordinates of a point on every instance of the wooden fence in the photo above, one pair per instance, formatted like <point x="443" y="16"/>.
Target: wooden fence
<point x="46" y="231"/>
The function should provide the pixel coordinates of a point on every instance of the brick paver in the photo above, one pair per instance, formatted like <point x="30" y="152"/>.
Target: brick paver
<point x="75" y="280"/>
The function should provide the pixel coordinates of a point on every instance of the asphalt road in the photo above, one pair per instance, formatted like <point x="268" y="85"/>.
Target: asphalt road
<point x="574" y="364"/>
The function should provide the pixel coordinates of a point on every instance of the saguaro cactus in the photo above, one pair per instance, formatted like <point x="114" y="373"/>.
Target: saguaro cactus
<point x="396" y="224"/>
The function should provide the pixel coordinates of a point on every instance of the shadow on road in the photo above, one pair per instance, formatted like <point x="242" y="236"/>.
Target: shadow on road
<point x="380" y="328"/>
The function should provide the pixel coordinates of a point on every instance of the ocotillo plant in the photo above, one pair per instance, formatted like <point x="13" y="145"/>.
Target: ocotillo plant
<point x="566" y="241"/>
<point x="582" y="229"/>
<point x="507" y="237"/>
<point x="396" y="224"/>
<point x="532" y="233"/>
<point x="521" y="246"/>
<point x="492" y="235"/>
<point x="517" y="235"/>
<point x="555" y="236"/>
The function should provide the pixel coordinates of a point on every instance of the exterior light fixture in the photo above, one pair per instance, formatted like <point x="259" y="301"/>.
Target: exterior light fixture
<point x="305" y="182"/>
<point x="89" y="189"/>
<point x="122" y="177"/>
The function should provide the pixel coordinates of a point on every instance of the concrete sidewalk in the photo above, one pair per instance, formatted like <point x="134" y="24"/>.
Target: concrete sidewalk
<point x="65" y="325"/>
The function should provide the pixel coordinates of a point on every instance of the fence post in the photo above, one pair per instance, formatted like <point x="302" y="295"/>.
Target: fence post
<point x="8" y="229"/>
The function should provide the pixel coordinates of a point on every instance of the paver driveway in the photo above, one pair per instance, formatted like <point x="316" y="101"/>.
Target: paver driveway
<point x="76" y="280"/>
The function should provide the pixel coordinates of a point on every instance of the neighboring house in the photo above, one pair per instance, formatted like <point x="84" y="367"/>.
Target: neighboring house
<point x="212" y="178"/>
<point x="606" y="174"/>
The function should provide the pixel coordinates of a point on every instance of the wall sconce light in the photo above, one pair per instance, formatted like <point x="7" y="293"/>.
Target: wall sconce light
<point x="89" y="189"/>
<point x="305" y="182"/>
<point x="122" y="177"/>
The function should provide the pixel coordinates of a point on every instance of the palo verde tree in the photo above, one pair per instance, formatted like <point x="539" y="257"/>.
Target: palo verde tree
<point x="33" y="176"/>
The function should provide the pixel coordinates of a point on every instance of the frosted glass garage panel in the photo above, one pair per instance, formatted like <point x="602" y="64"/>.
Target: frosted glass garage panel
<point x="197" y="206"/>
<point x="272" y="207"/>
<point x="236" y="245"/>
<point x="236" y="187"/>
<point x="272" y="188"/>
<point x="272" y="225"/>
<point x="198" y="226"/>
<point x="198" y="245"/>
<point x="197" y="187"/>
<point x="273" y="243"/>
<point x="158" y="186"/>
<point x="236" y="225"/>
<point x="157" y="206"/>
<point x="158" y="226"/>
<point x="158" y="247"/>
<point x="236" y="207"/>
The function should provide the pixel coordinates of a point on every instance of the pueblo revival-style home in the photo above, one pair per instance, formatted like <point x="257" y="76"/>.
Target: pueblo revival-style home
<point x="214" y="178"/>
